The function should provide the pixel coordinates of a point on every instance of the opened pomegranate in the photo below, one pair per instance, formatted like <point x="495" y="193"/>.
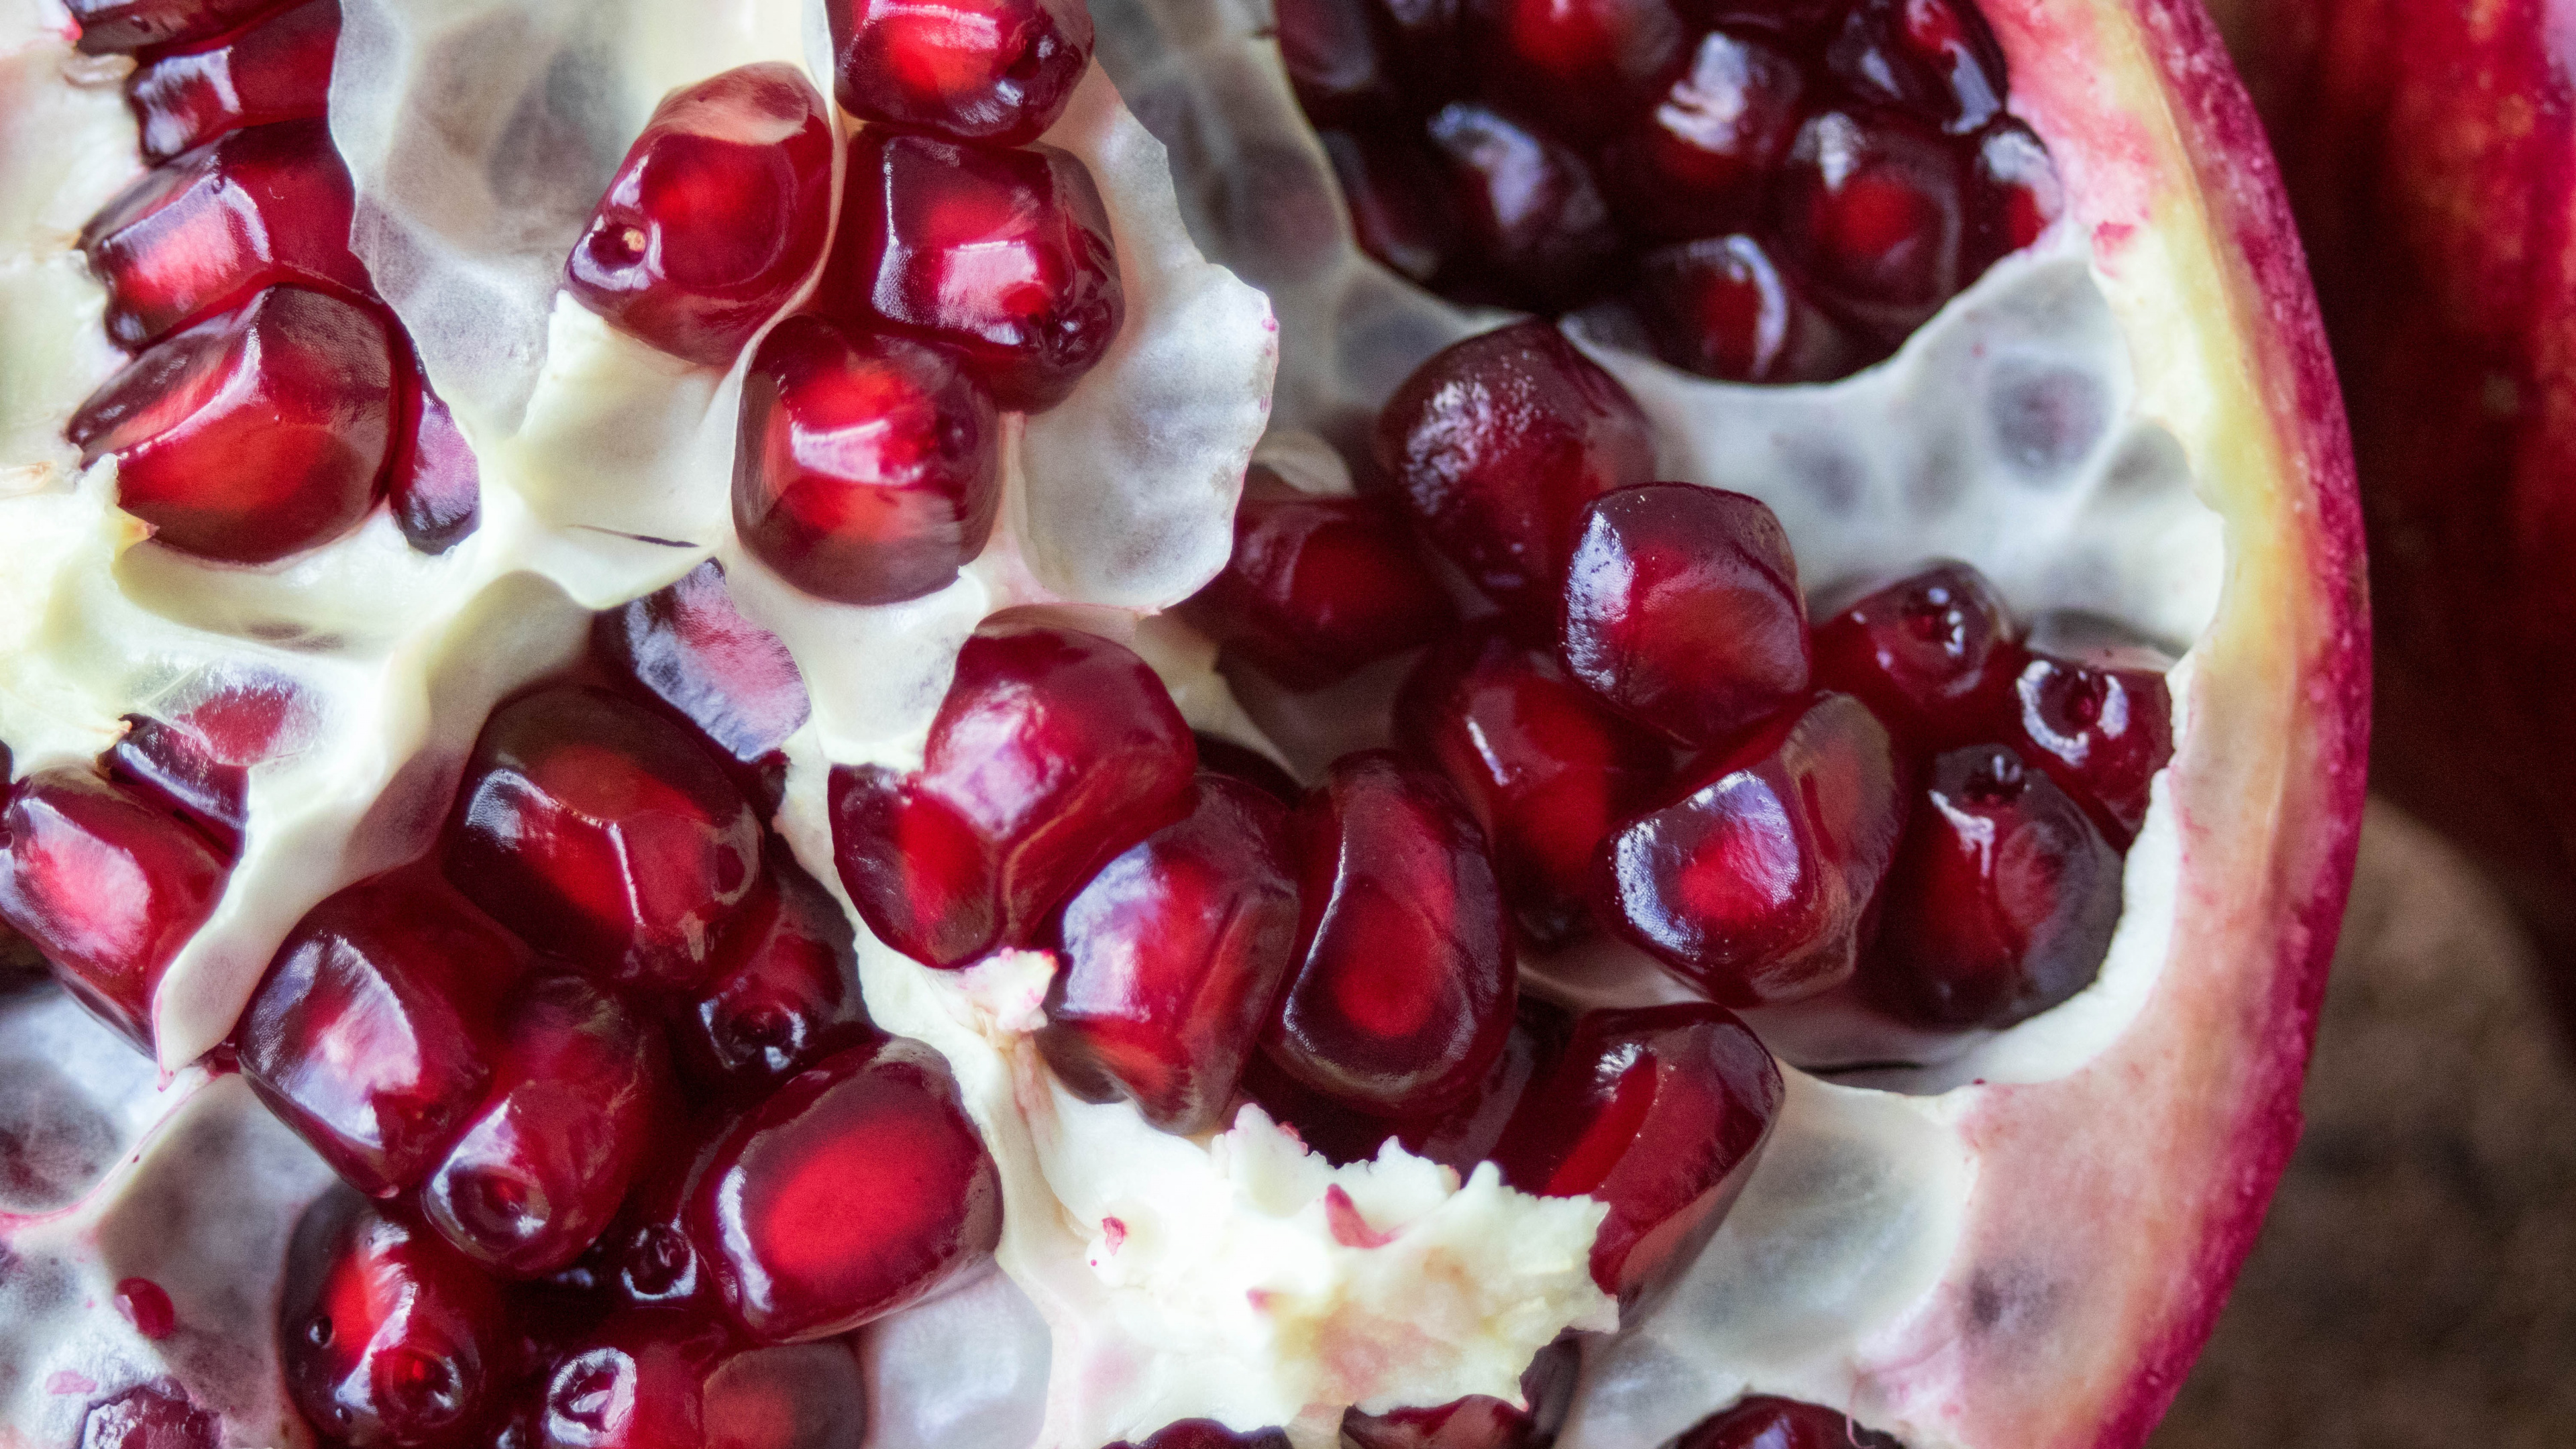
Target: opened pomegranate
<point x="757" y="827"/>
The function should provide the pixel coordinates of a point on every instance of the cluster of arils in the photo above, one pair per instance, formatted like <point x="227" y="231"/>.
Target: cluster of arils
<point x="1757" y="190"/>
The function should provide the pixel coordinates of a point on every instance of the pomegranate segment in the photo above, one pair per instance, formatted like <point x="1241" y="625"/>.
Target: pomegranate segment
<point x="1702" y="158"/>
<point x="388" y="1335"/>
<point x="997" y="72"/>
<point x="276" y="70"/>
<point x="869" y="468"/>
<point x="1658" y="1112"/>
<point x="2096" y="714"/>
<point x="1751" y="882"/>
<point x="1002" y="257"/>
<point x="435" y="485"/>
<point x="857" y="1189"/>
<point x="1682" y="610"/>
<point x="1933" y="656"/>
<point x="1053" y="751"/>
<point x="1531" y="212"/>
<point x="251" y="436"/>
<point x="1874" y="210"/>
<point x="109" y="26"/>
<point x="1762" y="1422"/>
<point x="715" y="218"/>
<point x="1401" y="995"/>
<point x="1318" y="585"/>
<point x="1723" y="307"/>
<point x="1171" y="958"/>
<point x="107" y="884"/>
<point x="603" y="834"/>
<point x="784" y="994"/>
<point x="1931" y="58"/>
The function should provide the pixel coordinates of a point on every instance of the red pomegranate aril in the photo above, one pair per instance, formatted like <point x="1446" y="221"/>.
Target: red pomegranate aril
<point x="784" y="995"/>
<point x="716" y="217"/>
<point x="1171" y="958"/>
<point x="1933" y="655"/>
<point x="1480" y="1422"/>
<point x="435" y="484"/>
<point x="277" y="70"/>
<point x="1702" y="157"/>
<point x="1242" y="762"/>
<point x="1401" y="993"/>
<point x="1657" y="1111"/>
<point x="1496" y="443"/>
<point x="602" y="833"/>
<point x="857" y="1189"/>
<point x="2096" y="714"/>
<point x="1336" y="61"/>
<point x="187" y="774"/>
<point x="1400" y="209"/>
<point x="1682" y="610"/>
<point x="664" y="1380"/>
<point x="868" y="469"/>
<point x="647" y="1257"/>
<point x="1053" y="752"/>
<point x="149" y="1416"/>
<point x="1319" y="585"/>
<point x="2014" y="194"/>
<point x="1545" y="769"/>
<point x="1930" y="58"/>
<point x="389" y="1336"/>
<point x="1583" y="64"/>
<point x="251" y="436"/>
<point x="1207" y="1434"/>
<point x="1874" y="214"/>
<point x="1723" y="307"/>
<point x="998" y="72"/>
<point x="1532" y="218"/>
<point x="1468" y="1133"/>
<point x="731" y="679"/>
<point x="373" y="1033"/>
<point x="1002" y="257"/>
<point x="111" y="26"/>
<point x="107" y="885"/>
<point x="1751" y="883"/>
<point x="146" y="1305"/>
<point x="1762" y="1422"/>
<point x="2001" y="902"/>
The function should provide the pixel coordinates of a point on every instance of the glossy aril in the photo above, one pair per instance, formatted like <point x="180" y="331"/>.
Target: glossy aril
<point x="857" y="1189"/>
<point x="1682" y="610"/>
<point x="108" y="885"/>
<point x="1207" y="1434"/>
<point x="276" y="70"/>
<point x="1478" y="1421"/>
<point x="1658" y="1112"/>
<point x="1933" y="655"/>
<point x="1319" y="585"/>
<point x="1053" y="751"/>
<point x="2002" y="900"/>
<point x="1762" y="1422"/>
<point x="868" y="469"/>
<point x="666" y="1380"/>
<point x="1723" y="307"/>
<point x="253" y="435"/>
<point x="1531" y="216"/>
<point x="1497" y="442"/>
<point x="130" y="25"/>
<point x="1337" y="60"/>
<point x="2014" y="193"/>
<point x="1400" y="209"/>
<point x="604" y="834"/>
<point x="198" y="778"/>
<point x="373" y="1033"/>
<point x="150" y="1416"/>
<point x="1582" y="64"/>
<point x="1872" y="210"/>
<point x="1170" y="958"/>
<point x="1701" y="158"/>
<point x="388" y="1336"/>
<point x="648" y="1257"/>
<point x="1002" y="257"/>
<point x="1750" y="883"/>
<point x="2095" y="713"/>
<point x="785" y="993"/>
<point x="434" y="483"/>
<point x="1402" y="990"/>
<point x="716" y="217"/>
<point x="732" y="680"/>
<point x="1468" y="1132"/>
<point x="1929" y="58"/>
<point x="998" y="72"/>
<point x="1251" y="766"/>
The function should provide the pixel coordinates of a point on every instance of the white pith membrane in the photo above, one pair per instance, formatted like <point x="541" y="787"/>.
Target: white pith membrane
<point x="2013" y="432"/>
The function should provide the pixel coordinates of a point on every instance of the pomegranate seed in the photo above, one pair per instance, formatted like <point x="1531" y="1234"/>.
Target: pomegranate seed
<point x="1873" y="213"/>
<point x="1751" y="881"/>
<point x="1722" y="307"/>
<point x="127" y="25"/>
<point x="1335" y="61"/>
<point x="715" y="218"/>
<point x="1208" y="1434"/>
<point x="150" y="1416"/>
<point x="1533" y="218"/>
<point x="189" y="775"/>
<point x="869" y="468"/>
<point x="1584" y="64"/>
<point x="647" y="1256"/>
<point x="1053" y="751"/>
<point x="147" y="1306"/>
<point x="784" y="994"/>
<point x="603" y="834"/>
<point x="1172" y="955"/>
<point x="1241" y="762"/>
<point x="856" y="1190"/>
<point x="1703" y="156"/>
<point x="994" y="71"/>
<point x="1933" y="58"/>
<point x="732" y="680"/>
<point x="2014" y="194"/>
<point x="1402" y="992"/>
<point x="1682" y="610"/>
<point x="1003" y="257"/>
<point x="662" y="1380"/>
<point x="1468" y="1133"/>
<point x="107" y="885"/>
<point x="1318" y="586"/>
<point x="277" y="70"/>
<point x="1544" y="768"/>
<point x="388" y="1335"/>
<point x="1932" y="655"/>
<point x="1479" y="1422"/>
<point x="435" y="483"/>
<point x="1398" y="198"/>
<point x="251" y="436"/>
<point x="1497" y="442"/>
<point x="1658" y="1112"/>
<point x="2097" y="716"/>
<point x="2001" y="902"/>
<point x="1767" y="1423"/>
<point x="373" y="1032"/>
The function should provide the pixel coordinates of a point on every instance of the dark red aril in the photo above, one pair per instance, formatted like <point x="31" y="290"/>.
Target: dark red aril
<point x="1723" y="307"/>
<point x="1053" y="751"/>
<point x="731" y="679"/>
<point x="2014" y="194"/>
<point x="1398" y="197"/>
<point x="1762" y="1422"/>
<point x="1319" y="585"/>
<point x="1401" y="994"/>
<point x="658" y="1379"/>
<point x="716" y="217"/>
<point x="197" y="778"/>
<point x="434" y="483"/>
<point x="1934" y="59"/>
<point x="1251" y="766"/>
<point x="1171" y="957"/>
<point x="1545" y="769"/>
<point x="1532" y="219"/>
<point x="1585" y="65"/>
<point x="648" y="1257"/>
<point x="2096" y="714"/>
<point x="859" y="1188"/>
<point x="1337" y="60"/>
<point x="1751" y="882"/>
<point x="1468" y="1132"/>
<point x="110" y="26"/>
<point x="602" y="833"/>
<point x="150" y="1416"/>
<point x="388" y="1336"/>
<point x="1497" y="442"/>
<point x="1702" y="157"/>
<point x="1002" y="257"/>
<point x="997" y="72"/>
<point x="276" y="70"/>
<point x="1480" y="1422"/>
<point x="1207" y="1434"/>
<point x="147" y="1306"/>
<point x="1657" y="1111"/>
<point x="373" y="1032"/>
<point x="1933" y="655"/>
<point x="2002" y="900"/>
<point x="1682" y="610"/>
<point x="253" y="435"/>
<point x="1873" y="212"/>
<point x="868" y="469"/>
<point x="785" y="993"/>
<point x="107" y="884"/>
<point x="1798" y="20"/>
